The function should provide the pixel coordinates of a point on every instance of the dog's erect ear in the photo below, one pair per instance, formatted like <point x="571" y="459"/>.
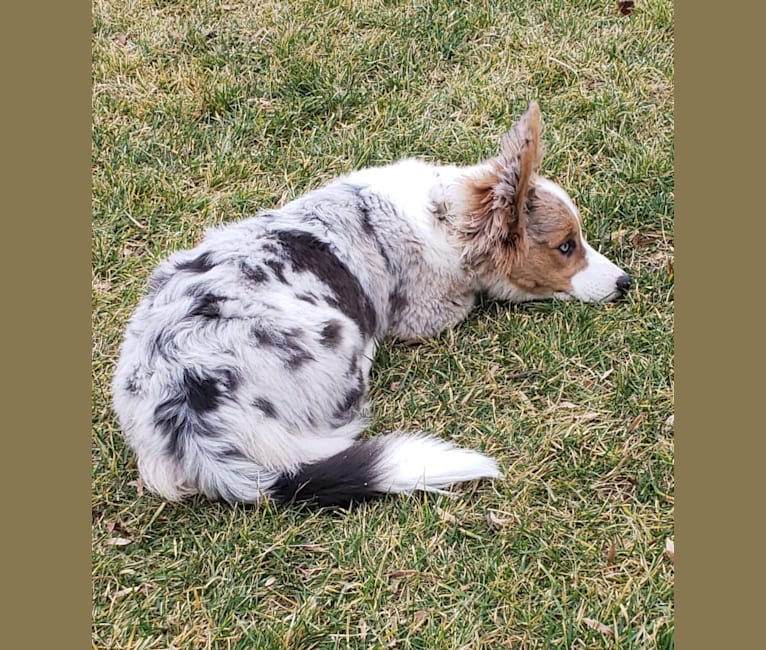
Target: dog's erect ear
<point x="496" y="211"/>
<point x="520" y="154"/>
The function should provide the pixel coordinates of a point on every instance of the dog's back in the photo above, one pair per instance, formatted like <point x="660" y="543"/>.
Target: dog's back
<point x="249" y="357"/>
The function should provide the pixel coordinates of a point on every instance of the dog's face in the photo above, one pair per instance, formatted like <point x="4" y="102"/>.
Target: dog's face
<point x="522" y="232"/>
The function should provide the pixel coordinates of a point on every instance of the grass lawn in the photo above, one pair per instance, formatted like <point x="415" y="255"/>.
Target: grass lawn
<point x="204" y="112"/>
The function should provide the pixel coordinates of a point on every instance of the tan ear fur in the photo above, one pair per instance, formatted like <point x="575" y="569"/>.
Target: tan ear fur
<point x="520" y="155"/>
<point x="494" y="222"/>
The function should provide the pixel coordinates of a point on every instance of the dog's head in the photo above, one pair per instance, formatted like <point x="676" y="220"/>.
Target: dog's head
<point x="523" y="234"/>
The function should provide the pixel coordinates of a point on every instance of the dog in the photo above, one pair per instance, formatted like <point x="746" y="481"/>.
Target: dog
<point x="243" y="372"/>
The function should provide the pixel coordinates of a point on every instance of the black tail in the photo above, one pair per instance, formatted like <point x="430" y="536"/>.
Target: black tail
<point x="335" y="481"/>
<point x="392" y="463"/>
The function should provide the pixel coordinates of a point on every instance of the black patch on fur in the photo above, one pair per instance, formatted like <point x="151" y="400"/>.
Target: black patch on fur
<point x="330" y="335"/>
<point x="256" y="274"/>
<point x="348" y="476"/>
<point x="296" y="354"/>
<point x="200" y="264"/>
<point x="397" y="302"/>
<point x="348" y="404"/>
<point x="172" y="418"/>
<point x="163" y="345"/>
<point x="232" y="453"/>
<point x="305" y="297"/>
<point x="312" y="255"/>
<point x="278" y="268"/>
<point x="293" y="335"/>
<point x="353" y="364"/>
<point x="369" y="228"/>
<point x="348" y="409"/>
<point x="297" y="358"/>
<point x="181" y="415"/>
<point x="439" y="210"/>
<point x="202" y="393"/>
<point x="131" y="384"/>
<point x="207" y="305"/>
<point x="265" y="337"/>
<point x="364" y="211"/>
<point x="270" y="247"/>
<point x="287" y="344"/>
<point x="266" y="406"/>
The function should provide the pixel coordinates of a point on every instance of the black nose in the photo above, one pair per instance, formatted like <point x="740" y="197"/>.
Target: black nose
<point x="623" y="283"/>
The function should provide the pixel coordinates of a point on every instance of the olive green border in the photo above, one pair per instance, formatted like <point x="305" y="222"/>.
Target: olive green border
<point x="719" y="344"/>
<point x="46" y="226"/>
<point x="46" y="317"/>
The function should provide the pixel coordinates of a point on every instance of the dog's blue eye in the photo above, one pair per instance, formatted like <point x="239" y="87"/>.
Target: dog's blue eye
<point x="567" y="247"/>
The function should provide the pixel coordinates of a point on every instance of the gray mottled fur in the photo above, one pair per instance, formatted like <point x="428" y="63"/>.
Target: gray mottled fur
<point x="230" y="320"/>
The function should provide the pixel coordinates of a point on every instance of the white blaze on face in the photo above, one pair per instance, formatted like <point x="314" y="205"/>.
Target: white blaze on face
<point x="598" y="280"/>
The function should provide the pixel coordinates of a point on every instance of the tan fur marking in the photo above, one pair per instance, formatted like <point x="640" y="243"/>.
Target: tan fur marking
<point x="523" y="143"/>
<point x="493" y="225"/>
<point x="513" y="221"/>
<point x="544" y="269"/>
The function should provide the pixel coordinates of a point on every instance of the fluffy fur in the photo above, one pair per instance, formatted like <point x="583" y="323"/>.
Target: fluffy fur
<point x="244" y="369"/>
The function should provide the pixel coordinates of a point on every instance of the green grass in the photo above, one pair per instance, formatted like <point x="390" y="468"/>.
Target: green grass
<point x="204" y="112"/>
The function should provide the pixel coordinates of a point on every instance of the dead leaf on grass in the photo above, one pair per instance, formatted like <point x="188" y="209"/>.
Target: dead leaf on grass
<point x="670" y="551"/>
<point x="314" y="548"/>
<point x="498" y="522"/>
<point x="593" y="624"/>
<point x="139" y="485"/>
<point x="306" y="570"/>
<point x="123" y="592"/>
<point x="636" y="239"/>
<point x="445" y="516"/>
<point x="626" y="7"/>
<point x="617" y="235"/>
<point x="419" y="618"/>
<point x="611" y="554"/>
<point x="122" y="39"/>
<point x="115" y="527"/>
<point x="636" y="421"/>
<point x="101" y="286"/>
<point x="269" y="581"/>
<point x="118" y="541"/>
<point x="403" y="573"/>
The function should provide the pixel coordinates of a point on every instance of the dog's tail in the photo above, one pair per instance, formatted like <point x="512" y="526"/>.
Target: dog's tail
<point x="392" y="463"/>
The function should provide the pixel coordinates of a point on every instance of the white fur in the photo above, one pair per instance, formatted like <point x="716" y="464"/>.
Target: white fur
<point x="412" y="185"/>
<point x="596" y="282"/>
<point x="417" y="462"/>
